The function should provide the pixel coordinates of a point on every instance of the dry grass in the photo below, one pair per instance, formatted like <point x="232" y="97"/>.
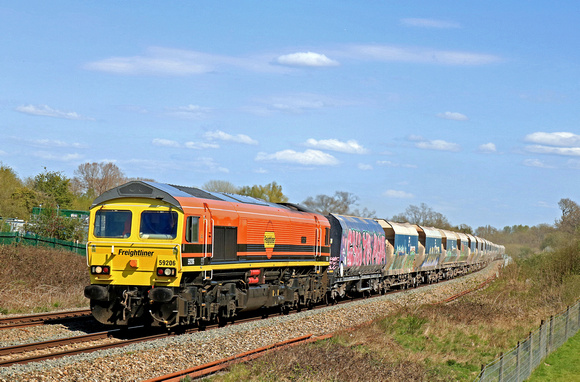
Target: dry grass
<point x="447" y="342"/>
<point x="37" y="279"/>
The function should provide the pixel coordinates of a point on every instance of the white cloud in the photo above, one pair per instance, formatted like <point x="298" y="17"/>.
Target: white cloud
<point x="389" y="53"/>
<point x="398" y="194"/>
<point x="59" y="157"/>
<point x="453" y="116"/>
<point x="165" y="142"/>
<point x="388" y="163"/>
<point x="308" y="157"/>
<point x="539" y="149"/>
<point x="429" y="23"/>
<point x="415" y="138"/>
<point x="297" y="104"/>
<point x="306" y="59"/>
<point x="158" y="61"/>
<point x="536" y="163"/>
<point x="563" y="139"/>
<point x="201" y="145"/>
<point x="543" y="204"/>
<point x="189" y="111"/>
<point x="240" y="138"/>
<point x="438" y="144"/>
<point x="487" y="148"/>
<point x="365" y="167"/>
<point x="46" y="111"/>
<point x="350" y="147"/>
<point x="57" y="143"/>
<point x="559" y="143"/>
<point x="178" y="62"/>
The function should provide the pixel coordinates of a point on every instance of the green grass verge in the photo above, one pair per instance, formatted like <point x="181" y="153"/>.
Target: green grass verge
<point x="561" y="366"/>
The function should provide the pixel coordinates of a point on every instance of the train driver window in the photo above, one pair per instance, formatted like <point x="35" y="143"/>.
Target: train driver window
<point x="112" y="223"/>
<point x="158" y="225"/>
<point x="192" y="229"/>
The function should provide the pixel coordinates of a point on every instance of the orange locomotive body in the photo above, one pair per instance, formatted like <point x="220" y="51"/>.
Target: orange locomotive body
<point x="170" y="255"/>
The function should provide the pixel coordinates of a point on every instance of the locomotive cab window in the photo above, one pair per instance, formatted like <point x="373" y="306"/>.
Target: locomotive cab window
<point x="158" y="225"/>
<point x="112" y="223"/>
<point x="192" y="229"/>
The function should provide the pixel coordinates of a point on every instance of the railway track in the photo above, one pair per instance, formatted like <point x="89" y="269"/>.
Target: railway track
<point x="114" y="338"/>
<point x="213" y="367"/>
<point x="207" y="369"/>
<point x="22" y="354"/>
<point x="42" y="318"/>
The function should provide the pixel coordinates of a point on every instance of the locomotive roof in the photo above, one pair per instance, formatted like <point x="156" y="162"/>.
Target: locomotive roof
<point x="168" y="193"/>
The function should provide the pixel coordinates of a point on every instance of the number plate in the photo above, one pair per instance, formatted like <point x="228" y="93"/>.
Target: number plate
<point x="166" y="262"/>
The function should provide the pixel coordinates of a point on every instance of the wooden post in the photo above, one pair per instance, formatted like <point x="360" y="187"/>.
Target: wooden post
<point x="531" y="364"/>
<point x="567" y="323"/>
<point x="551" y="336"/>
<point x="542" y="346"/>
<point x="518" y="362"/>
<point x="500" y="367"/>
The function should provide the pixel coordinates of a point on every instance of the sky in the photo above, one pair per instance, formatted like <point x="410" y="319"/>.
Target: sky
<point x="470" y="107"/>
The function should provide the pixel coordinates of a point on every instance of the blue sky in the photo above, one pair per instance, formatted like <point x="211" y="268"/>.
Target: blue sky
<point x="470" y="107"/>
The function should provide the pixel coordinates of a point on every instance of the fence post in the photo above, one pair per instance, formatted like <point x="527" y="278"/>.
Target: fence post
<point x="500" y="377"/>
<point x="518" y="362"/>
<point x="567" y="323"/>
<point x="542" y="346"/>
<point x="578" y="321"/>
<point x="531" y="364"/>
<point x="550" y="336"/>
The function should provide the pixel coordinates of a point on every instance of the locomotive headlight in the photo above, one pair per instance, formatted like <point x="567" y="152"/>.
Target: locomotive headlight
<point x="100" y="270"/>
<point x="167" y="272"/>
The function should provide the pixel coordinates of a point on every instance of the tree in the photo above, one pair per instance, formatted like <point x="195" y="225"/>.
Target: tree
<point x="423" y="215"/>
<point x="49" y="223"/>
<point x="220" y="186"/>
<point x="463" y="228"/>
<point x="54" y="187"/>
<point x="93" y="179"/>
<point x="340" y="203"/>
<point x="486" y="231"/>
<point x="10" y="185"/>
<point x="570" y="219"/>
<point x="271" y="192"/>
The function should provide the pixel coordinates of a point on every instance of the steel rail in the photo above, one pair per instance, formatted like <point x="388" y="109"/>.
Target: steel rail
<point x="41" y="319"/>
<point x="215" y="366"/>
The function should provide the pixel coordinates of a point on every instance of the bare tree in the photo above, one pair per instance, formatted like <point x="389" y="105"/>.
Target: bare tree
<point x="341" y="203"/>
<point x="423" y="215"/>
<point x="95" y="178"/>
<point x="570" y="219"/>
<point x="220" y="186"/>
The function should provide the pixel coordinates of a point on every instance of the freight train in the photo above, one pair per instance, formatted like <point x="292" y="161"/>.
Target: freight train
<point x="165" y="255"/>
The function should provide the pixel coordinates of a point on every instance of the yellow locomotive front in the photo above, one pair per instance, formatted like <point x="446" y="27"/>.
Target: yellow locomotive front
<point x="133" y="247"/>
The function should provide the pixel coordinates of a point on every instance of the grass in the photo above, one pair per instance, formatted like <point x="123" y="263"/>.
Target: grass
<point x="448" y="342"/>
<point x="37" y="279"/>
<point x="561" y="366"/>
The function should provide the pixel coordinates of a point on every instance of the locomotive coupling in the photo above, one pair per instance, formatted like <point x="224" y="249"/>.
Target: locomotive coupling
<point x="161" y="294"/>
<point x="96" y="292"/>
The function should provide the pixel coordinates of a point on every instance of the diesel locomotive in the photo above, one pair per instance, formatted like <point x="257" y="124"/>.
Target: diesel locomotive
<point x="166" y="255"/>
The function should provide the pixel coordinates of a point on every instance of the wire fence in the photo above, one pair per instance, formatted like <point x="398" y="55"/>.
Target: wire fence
<point x="519" y="363"/>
